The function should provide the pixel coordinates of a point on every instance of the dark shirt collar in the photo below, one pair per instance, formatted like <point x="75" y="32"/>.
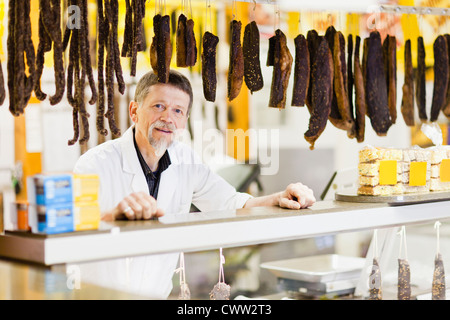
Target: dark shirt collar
<point x="163" y="163"/>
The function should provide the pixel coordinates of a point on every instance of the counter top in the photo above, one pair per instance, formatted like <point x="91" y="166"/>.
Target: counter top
<point x="212" y="230"/>
<point x="21" y="281"/>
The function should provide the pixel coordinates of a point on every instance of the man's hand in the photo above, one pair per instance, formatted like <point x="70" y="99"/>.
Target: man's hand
<point x="135" y="206"/>
<point x="296" y="196"/>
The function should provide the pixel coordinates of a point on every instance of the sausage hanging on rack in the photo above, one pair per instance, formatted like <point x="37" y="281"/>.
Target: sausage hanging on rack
<point x="313" y="39"/>
<point x="322" y="73"/>
<point x="390" y="69"/>
<point x="301" y="71"/>
<point x="19" y="45"/>
<point x="407" y="108"/>
<point x="186" y="54"/>
<point x="50" y="34"/>
<point x="360" y="95"/>
<point x="236" y="61"/>
<point x="350" y="78"/>
<point x="161" y="47"/>
<point x="375" y="82"/>
<point x="133" y="40"/>
<point x="209" y="76"/>
<point x="78" y="69"/>
<point x="441" y="74"/>
<point x="420" y="80"/>
<point x="181" y="41"/>
<point x="252" y="67"/>
<point x="282" y="64"/>
<point x="345" y="119"/>
<point x="446" y="108"/>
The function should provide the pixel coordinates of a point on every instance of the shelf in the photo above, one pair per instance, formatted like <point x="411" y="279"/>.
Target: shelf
<point x="212" y="230"/>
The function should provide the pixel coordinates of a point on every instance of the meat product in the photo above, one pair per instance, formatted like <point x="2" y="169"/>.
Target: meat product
<point x="345" y="119"/>
<point x="209" y="76"/>
<point x="271" y="51"/>
<point x="407" y="107"/>
<point x="164" y="49"/>
<point x="350" y="76"/>
<point x="236" y="62"/>
<point x="322" y="73"/>
<point x="420" y="80"/>
<point x="376" y="90"/>
<point x="313" y="39"/>
<point x="360" y="95"/>
<point x="301" y="71"/>
<point x="20" y="49"/>
<point x="161" y="47"/>
<point x="191" y="44"/>
<point x="50" y="33"/>
<point x="440" y="77"/>
<point x="375" y="290"/>
<point x="252" y="67"/>
<point x="390" y="69"/>
<point x="282" y="65"/>
<point x="404" y="280"/>
<point x="181" y="41"/>
<point x="134" y="38"/>
<point x="446" y="109"/>
<point x="335" y="117"/>
<point x="438" y="284"/>
<point x="154" y="44"/>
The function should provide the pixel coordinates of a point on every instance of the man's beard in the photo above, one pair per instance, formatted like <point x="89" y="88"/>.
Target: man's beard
<point x="162" y="144"/>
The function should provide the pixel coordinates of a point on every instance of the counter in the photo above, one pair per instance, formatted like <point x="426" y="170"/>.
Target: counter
<point x="212" y="230"/>
<point x="30" y="282"/>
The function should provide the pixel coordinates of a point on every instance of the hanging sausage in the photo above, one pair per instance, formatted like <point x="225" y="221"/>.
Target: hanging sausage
<point x="209" y="76"/>
<point x="50" y="35"/>
<point x="107" y="11"/>
<point x="78" y="68"/>
<point x="360" y="95"/>
<point x="252" y="67"/>
<point x="375" y="82"/>
<point x="19" y="46"/>
<point x="390" y="70"/>
<point x="301" y="71"/>
<point x="441" y="75"/>
<point x="236" y="62"/>
<point x="161" y="47"/>
<point x="321" y="92"/>
<point x="282" y="64"/>
<point x="133" y="38"/>
<point x="420" y="80"/>
<point x="407" y="108"/>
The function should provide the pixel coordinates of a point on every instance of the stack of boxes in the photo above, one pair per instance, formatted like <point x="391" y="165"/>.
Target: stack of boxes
<point x="388" y="171"/>
<point x="64" y="202"/>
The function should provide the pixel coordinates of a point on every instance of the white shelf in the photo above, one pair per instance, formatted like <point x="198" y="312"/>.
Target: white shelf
<point x="212" y="230"/>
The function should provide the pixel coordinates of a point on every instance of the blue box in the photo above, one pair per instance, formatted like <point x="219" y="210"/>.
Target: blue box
<point x="51" y="189"/>
<point x="55" y="218"/>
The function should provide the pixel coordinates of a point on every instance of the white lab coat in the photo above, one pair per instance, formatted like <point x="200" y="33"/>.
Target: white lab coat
<point x="187" y="180"/>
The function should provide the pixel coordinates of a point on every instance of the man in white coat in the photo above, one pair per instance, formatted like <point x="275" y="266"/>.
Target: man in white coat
<point x="146" y="173"/>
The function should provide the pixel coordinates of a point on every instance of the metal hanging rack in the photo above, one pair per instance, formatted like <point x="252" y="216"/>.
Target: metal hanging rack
<point x="377" y="8"/>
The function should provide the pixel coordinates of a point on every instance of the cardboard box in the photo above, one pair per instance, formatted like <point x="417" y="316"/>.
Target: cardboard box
<point x="85" y="187"/>
<point x="86" y="215"/>
<point x="55" y="218"/>
<point x="51" y="189"/>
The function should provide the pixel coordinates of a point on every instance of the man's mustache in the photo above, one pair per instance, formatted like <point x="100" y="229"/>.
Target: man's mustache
<point x="163" y="126"/>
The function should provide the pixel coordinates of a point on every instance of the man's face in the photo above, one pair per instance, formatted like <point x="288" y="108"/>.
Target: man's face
<point x="162" y="115"/>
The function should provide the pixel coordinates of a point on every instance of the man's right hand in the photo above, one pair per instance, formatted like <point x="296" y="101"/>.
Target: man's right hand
<point x="135" y="206"/>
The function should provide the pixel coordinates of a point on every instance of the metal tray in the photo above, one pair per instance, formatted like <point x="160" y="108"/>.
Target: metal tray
<point x="394" y="200"/>
<point x="321" y="268"/>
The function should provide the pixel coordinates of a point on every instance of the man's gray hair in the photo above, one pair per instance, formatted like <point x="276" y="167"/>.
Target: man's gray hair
<point x="176" y="79"/>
